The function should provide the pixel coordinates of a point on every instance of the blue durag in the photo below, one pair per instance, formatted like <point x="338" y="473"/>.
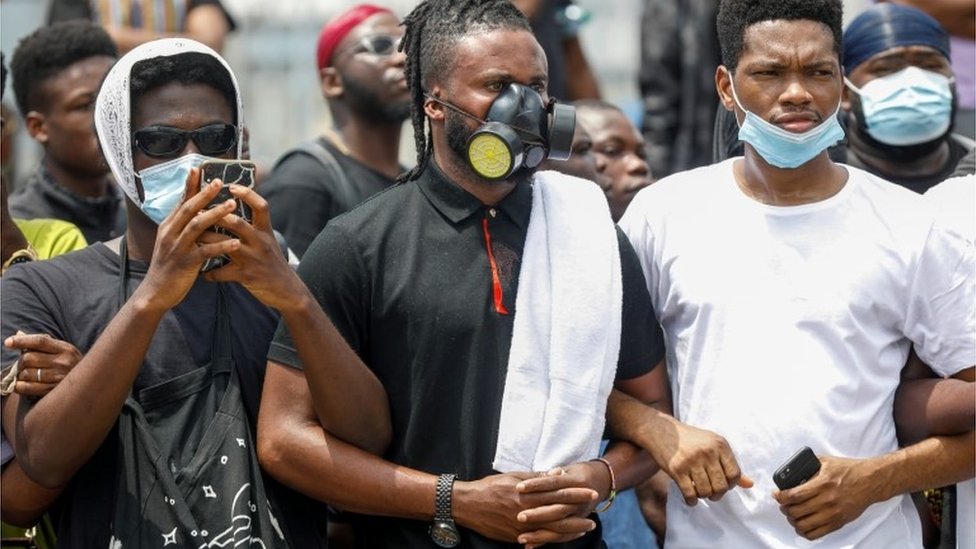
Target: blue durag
<point x="885" y="26"/>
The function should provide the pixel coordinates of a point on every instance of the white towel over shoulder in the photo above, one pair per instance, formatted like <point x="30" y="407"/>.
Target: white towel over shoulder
<point x="566" y="335"/>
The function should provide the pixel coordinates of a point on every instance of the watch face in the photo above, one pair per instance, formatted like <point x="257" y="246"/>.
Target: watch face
<point x="444" y="534"/>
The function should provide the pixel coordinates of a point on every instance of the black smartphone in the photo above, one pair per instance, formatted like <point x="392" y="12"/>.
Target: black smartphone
<point x="797" y="470"/>
<point x="239" y="172"/>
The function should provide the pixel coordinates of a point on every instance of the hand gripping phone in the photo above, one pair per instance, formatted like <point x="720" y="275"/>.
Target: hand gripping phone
<point x="797" y="470"/>
<point x="239" y="172"/>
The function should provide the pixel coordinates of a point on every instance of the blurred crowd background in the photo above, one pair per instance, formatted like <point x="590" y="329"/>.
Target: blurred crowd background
<point x="272" y="52"/>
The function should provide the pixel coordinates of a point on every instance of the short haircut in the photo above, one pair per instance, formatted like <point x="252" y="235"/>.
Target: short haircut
<point x="186" y="69"/>
<point x="735" y="16"/>
<point x="48" y="51"/>
<point x="434" y="29"/>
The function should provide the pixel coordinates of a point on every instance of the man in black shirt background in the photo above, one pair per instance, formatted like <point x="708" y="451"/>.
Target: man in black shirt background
<point x="423" y="281"/>
<point x="361" y="75"/>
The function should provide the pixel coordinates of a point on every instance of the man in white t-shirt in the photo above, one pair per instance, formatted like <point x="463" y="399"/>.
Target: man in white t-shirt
<point x="791" y="290"/>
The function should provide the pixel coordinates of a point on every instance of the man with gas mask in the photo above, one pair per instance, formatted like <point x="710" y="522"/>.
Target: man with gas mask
<point x="498" y="306"/>
<point x="152" y="432"/>
<point x="789" y="324"/>
<point x="900" y="97"/>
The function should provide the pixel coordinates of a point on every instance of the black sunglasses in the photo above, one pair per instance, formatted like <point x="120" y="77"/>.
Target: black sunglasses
<point x="377" y="44"/>
<point x="163" y="141"/>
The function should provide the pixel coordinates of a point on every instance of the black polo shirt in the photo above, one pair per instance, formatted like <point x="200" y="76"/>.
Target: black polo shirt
<point x="406" y="277"/>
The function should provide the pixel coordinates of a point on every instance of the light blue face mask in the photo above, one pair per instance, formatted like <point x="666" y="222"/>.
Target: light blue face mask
<point x="785" y="149"/>
<point x="163" y="185"/>
<point x="909" y="107"/>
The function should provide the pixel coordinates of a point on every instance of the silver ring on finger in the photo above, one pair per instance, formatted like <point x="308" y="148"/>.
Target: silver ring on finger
<point x="38" y="375"/>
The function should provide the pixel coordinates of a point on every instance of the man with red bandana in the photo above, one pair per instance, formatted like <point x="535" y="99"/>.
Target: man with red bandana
<point x="361" y="78"/>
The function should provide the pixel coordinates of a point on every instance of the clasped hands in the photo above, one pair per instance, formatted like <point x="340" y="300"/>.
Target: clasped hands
<point x="533" y="508"/>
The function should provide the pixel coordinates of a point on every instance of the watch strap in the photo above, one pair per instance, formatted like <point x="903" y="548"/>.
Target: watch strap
<point x="442" y="497"/>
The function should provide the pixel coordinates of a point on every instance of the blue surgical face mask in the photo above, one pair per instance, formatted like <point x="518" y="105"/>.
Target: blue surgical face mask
<point x="785" y="149"/>
<point x="908" y="107"/>
<point x="163" y="185"/>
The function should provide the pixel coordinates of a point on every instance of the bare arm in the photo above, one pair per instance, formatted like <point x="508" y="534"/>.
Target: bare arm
<point x="935" y="406"/>
<point x="630" y="464"/>
<point x="11" y="239"/>
<point x="700" y="462"/>
<point x="206" y="24"/>
<point x="51" y="444"/>
<point x="22" y="501"/>
<point x="293" y="447"/>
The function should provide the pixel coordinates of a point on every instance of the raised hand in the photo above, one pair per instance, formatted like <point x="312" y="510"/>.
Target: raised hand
<point x="257" y="263"/>
<point x="177" y="255"/>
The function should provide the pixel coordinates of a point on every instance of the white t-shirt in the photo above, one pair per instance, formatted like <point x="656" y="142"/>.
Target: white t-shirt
<point x="789" y="326"/>
<point x="954" y="201"/>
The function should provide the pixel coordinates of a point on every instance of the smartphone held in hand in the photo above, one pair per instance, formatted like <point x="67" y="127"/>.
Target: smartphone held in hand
<point x="798" y="469"/>
<point x="238" y="172"/>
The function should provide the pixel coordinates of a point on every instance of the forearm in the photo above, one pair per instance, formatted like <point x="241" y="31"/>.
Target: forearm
<point x="22" y="501"/>
<point x="338" y="379"/>
<point x="926" y="407"/>
<point x="934" y="462"/>
<point x="631" y="465"/>
<point x="630" y="419"/>
<point x="52" y="444"/>
<point x="311" y="461"/>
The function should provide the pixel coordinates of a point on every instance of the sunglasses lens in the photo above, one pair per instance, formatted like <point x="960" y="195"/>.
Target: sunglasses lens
<point x="381" y="45"/>
<point x="215" y="140"/>
<point x="159" y="142"/>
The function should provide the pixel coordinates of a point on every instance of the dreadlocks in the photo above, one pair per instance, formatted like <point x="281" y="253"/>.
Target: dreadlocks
<point x="434" y="27"/>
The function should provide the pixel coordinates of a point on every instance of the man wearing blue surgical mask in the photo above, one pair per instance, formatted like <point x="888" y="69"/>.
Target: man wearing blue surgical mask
<point x="165" y="397"/>
<point x="900" y="97"/>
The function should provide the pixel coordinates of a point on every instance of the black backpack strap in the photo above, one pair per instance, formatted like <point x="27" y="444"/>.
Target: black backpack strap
<point x="318" y="151"/>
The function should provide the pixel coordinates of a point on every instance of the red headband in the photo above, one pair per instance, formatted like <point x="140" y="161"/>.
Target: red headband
<point x="335" y="30"/>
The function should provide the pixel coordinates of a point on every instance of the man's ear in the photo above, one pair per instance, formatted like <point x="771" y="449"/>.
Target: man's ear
<point x="723" y="85"/>
<point x="846" y="99"/>
<point x="433" y="109"/>
<point x="36" y="127"/>
<point x="331" y="83"/>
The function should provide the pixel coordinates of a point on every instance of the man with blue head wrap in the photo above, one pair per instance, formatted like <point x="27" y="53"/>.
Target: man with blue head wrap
<point x="900" y="97"/>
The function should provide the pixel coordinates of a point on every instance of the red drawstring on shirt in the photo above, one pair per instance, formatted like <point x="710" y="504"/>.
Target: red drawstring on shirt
<point x="496" y="283"/>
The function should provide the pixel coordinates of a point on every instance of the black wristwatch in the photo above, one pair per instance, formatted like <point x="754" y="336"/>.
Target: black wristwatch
<point x="444" y="532"/>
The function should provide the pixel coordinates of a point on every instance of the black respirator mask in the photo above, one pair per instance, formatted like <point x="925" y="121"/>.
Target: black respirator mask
<point x="520" y="130"/>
